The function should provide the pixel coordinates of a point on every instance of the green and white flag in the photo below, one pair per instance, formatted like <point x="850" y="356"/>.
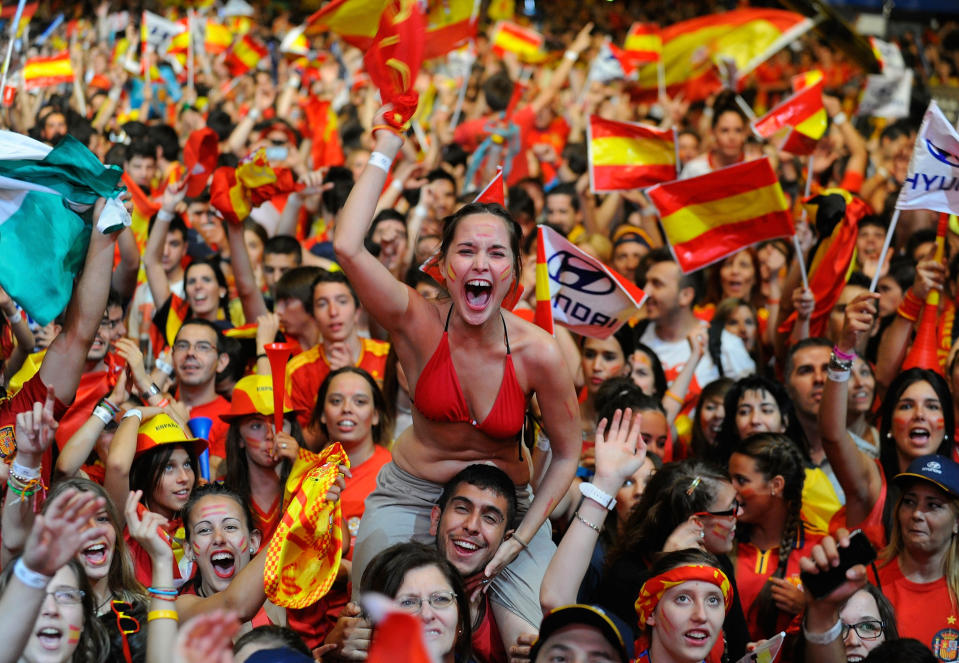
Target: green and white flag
<point x="46" y="200"/>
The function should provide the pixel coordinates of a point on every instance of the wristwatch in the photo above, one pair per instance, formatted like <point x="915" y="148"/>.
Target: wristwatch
<point x="599" y="496"/>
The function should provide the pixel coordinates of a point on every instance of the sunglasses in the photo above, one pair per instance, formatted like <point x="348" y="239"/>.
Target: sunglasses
<point x="731" y="511"/>
<point x="126" y="623"/>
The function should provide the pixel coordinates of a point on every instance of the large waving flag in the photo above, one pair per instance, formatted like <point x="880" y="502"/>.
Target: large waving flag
<point x="644" y="43"/>
<point x="803" y="113"/>
<point x="355" y="21"/>
<point x="582" y="293"/>
<point x="933" y="179"/>
<point x="526" y="43"/>
<point x="43" y="237"/>
<point x="450" y="24"/>
<point x="709" y="217"/>
<point x="624" y="155"/>
<point x="245" y="55"/>
<point x="691" y="49"/>
<point x="42" y="72"/>
<point x="393" y="60"/>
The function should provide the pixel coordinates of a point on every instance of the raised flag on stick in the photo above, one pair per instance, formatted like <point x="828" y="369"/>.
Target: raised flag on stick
<point x="709" y="217"/>
<point x="578" y="291"/>
<point x="624" y="155"/>
<point x="803" y="113"/>
<point x="493" y="192"/>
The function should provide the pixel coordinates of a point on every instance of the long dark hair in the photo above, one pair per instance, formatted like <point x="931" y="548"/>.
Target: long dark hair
<point x="381" y="431"/>
<point x="698" y="446"/>
<point x="147" y="470"/>
<point x="673" y="494"/>
<point x="94" y="644"/>
<point x="387" y="571"/>
<point x="451" y="222"/>
<point x="888" y="458"/>
<point x="775" y="454"/>
<point x="659" y="375"/>
<point x="729" y="437"/>
<point x="213" y="263"/>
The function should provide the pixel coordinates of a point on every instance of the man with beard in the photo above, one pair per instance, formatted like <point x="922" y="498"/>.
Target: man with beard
<point x="474" y="515"/>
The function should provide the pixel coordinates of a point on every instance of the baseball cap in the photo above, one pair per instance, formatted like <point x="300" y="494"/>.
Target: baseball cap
<point x="941" y="471"/>
<point x="253" y="394"/>
<point x="278" y="655"/>
<point x="160" y="430"/>
<point x="587" y="615"/>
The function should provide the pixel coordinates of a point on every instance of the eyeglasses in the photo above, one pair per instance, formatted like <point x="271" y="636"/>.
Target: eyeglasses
<point x="127" y="624"/>
<point x="200" y="346"/>
<point x="869" y="629"/>
<point x="437" y="601"/>
<point x="67" y="596"/>
<point x="731" y="511"/>
<point x="108" y="323"/>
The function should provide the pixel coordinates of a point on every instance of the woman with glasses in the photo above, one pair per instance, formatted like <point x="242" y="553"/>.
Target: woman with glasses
<point x="422" y="582"/>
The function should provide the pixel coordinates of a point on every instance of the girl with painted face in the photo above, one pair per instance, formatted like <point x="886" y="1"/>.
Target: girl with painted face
<point x="259" y="458"/>
<point x="710" y="414"/>
<point x="472" y="368"/>
<point x="767" y="473"/>
<point x="159" y="459"/>
<point x="602" y="359"/>
<point x="422" y="582"/>
<point x="916" y="418"/>
<point x="681" y="608"/>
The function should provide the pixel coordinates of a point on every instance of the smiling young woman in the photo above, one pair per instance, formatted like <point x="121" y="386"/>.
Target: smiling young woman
<point x="471" y="367"/>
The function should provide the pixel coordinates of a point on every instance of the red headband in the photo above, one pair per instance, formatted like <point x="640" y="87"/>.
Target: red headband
<point x="654" y="588"/>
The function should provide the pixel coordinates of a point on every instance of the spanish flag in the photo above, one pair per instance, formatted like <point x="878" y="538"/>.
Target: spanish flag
<point x="355" y="21"/>
<point x="47" y="71"/>
<point x="624" y="155"/>
<point x="644" y="43"/>
<point x="709" y="217"/>
<point x="803" y="113"/>
<point x="543" y="316"/>
<point x="493" y="193"/>
<point x="691" y="48"/>
<point x="449" y="25"/>
<point x="245" y="55"/>
<point x="805" y="79"/>
<point x="527" y="44"/>
<point x="218" y="38"/>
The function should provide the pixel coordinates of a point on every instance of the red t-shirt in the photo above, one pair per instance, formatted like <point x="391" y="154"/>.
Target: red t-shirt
<point x="307" y="370"/>
<point x="487" y="641"/>
<point x="92" y="387"/>
<point x="213" y="410"/>
<point x="554" y="135"/>
<point x="358" y="486"/>
<point x="754" y="567"/>
<point x="924" y="610"/>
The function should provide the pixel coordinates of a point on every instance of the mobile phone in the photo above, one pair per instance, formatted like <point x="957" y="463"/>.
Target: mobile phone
<point x="859" y="551"/>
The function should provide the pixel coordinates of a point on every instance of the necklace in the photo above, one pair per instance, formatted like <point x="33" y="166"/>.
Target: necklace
<point x="104" y="603"/>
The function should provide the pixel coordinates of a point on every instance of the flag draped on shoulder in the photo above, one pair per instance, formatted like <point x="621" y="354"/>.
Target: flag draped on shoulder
<point x="624" y="155"/>
<point x="46" y="194"/>
<point x="578" y="291"/>
<point x="709" y="217"/>
<point x="933" y="179"/>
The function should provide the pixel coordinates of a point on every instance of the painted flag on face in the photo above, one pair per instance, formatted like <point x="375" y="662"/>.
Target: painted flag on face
<point x="624" y="155"/>
<point x="709" y="217"/>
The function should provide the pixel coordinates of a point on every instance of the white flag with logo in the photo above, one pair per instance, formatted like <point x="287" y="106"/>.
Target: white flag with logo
<point x="585" y="295"/>
<point x="933" y="179"/>
<point x="887" y="96"/>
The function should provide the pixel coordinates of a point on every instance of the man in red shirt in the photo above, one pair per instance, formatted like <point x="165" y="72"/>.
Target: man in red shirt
<point x="198" y="355"/>
<point x="336" y="310"/>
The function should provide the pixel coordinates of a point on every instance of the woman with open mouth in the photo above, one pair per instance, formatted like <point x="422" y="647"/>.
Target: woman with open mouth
<point x="681" y="608"/>
<point x="472" y="367"/>
<point x="916" y="418"/>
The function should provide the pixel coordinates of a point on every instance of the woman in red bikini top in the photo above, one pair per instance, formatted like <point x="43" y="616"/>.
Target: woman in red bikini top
<point x="471" y="366"/>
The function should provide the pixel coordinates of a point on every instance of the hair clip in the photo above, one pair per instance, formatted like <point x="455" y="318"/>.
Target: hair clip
<point x="692" y="486"/>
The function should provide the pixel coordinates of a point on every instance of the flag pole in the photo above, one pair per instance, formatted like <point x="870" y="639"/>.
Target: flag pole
<point x="802" y="262"/>
<point x="799" y="256"/>
<point x="461" y="97"/>
<point x="808" y="186"/>
<point x="13" y="34"/>
<point x="885" y="249"/>
<point x="745" y="108"/>
<point x="190" y="66"/>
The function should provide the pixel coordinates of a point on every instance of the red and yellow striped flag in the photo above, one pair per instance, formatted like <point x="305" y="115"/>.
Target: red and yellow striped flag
<point x="47" y="71"/>
<point x="709" y="217"/>
<point x="803" y="113"/>
<point x="805" y="79"/>
<point x="449" y="25"/>
<point x="543" y="317"/>
<point x="355" y="21"/>
<point x="526" y="43"/>
<point x="644" y="43"/>
<point x="624" y="155"/>
<point x="245" y="55"/>
<point x="218" y="38"/>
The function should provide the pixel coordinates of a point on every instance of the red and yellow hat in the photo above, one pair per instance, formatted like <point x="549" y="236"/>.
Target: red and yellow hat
<point x="253" y="394"/>
<point x="160" y="430"/>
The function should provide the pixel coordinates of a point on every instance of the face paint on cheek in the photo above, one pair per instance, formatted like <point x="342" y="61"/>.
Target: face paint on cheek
<point x="196" y="548"/>
<point x="450" y="273"/>
<point x="506" y="275"/>
<point x="74" y="636"/>
<point x="243" y="544"/>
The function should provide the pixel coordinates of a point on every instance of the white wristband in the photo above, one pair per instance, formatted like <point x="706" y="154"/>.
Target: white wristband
<point x="823" y="638"/>
<point x="28" y="473"/>
<point x="381" y="161"/>
<point x="29" y="577"/>
<point x="837" y="376"/>
<point x="165" y="216"/>
<point x="102" y="414"/>
<point x="839" y="118"/>
<point x="598" y="495"/>
<point x="133" y="412"/>
<point x="164" y="366"/>
<point x="571" y="55"/>
<point x="15" y="318"/>
<point x="253" y="114"/>
<point x="397" y="184"/>
<point x="542" y="442"/>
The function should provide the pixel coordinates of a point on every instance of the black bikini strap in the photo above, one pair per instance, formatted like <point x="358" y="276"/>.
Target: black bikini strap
<point x="446" y="327"/>
<point x="505" y="333"/>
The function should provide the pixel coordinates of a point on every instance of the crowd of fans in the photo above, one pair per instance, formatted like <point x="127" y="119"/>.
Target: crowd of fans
<point x="656" y="494"/>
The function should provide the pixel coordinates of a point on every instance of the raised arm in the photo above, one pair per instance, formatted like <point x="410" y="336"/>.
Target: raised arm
<point x="383" y="296"/>
<point x="857" y="473"/>
<point x="153" y="251"/>
<point x="116" y="479"/>
<point x="67" y="354"/>
<point x="124" y="278"/>
<point x="618" y="456"/>
<point x="251" y="297"/>
<point x="77" y="449"/>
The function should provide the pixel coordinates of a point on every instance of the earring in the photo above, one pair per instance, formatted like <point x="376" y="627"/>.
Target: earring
<point x="945" y="438"/>
<point x="888" y="435"/>
<point x="252" y="550"/>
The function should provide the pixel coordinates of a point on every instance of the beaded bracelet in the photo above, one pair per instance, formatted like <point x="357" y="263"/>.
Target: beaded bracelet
<point x="588" y="524"/>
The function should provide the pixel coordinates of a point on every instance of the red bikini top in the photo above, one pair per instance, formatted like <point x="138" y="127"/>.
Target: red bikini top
<point x="439" y="396"/>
